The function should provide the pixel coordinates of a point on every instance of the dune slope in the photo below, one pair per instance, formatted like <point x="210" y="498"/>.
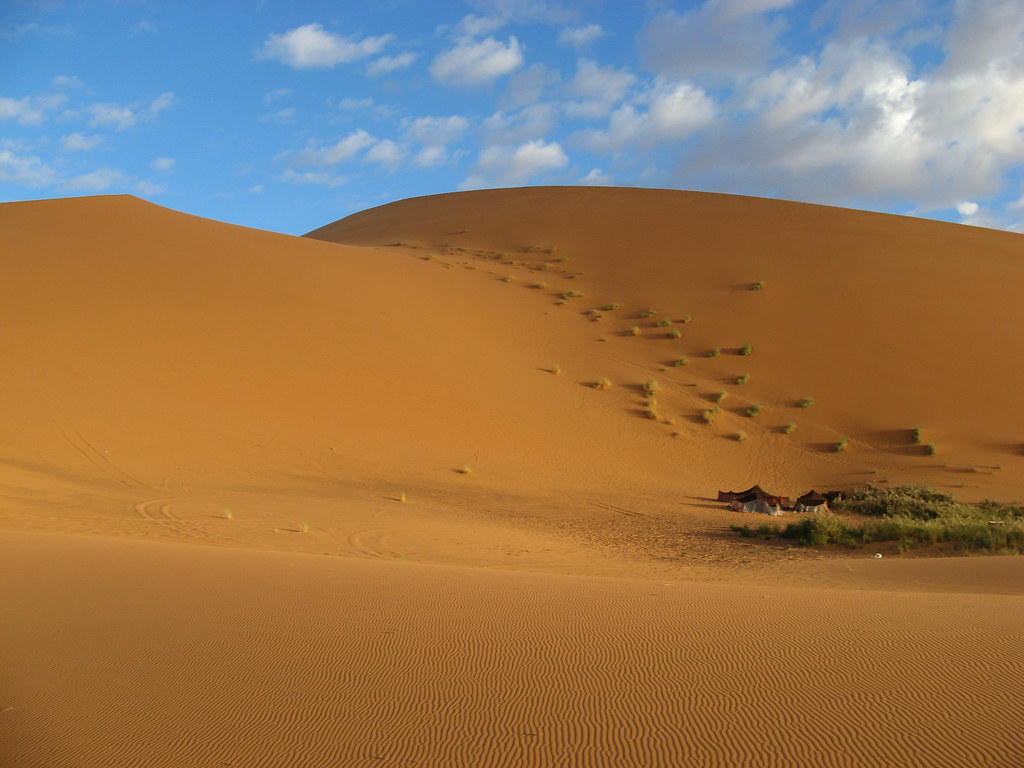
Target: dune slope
<point x="885" y="323"/>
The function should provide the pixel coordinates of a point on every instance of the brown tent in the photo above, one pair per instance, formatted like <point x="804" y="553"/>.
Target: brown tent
<point x="754" y="499"/>
<point x="812" y="501"/>
<point x="770" y="498"/>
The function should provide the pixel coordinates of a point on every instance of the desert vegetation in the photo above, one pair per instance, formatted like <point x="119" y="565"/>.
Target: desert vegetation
<point x="912" y="516"/>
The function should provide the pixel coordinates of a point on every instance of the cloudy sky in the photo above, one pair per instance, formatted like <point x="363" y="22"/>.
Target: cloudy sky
<point x="289" y="114"/>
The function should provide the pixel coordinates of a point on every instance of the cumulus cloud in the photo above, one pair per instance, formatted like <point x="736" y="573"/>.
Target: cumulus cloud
<point x="17" y="166"/>
<point x="596" y="89"/>
<point x="341" y="151"/>
<point x="967" y="208"/>
<point x="668" y="112"/>
<point x="163" y="164"/>
<point x="387" y="64"/>
<point x="528" y="123"/>
<point x="76" y="142"/>
<point x="721" y="38"/>
<point x="580" y="36"/>
<point x="121" y="117"/>
<point x="31" y="110"/>
<point x="515" y="166"/>
<point x="435" y="134"/>
<point x="475" y="62"/>
<point x="96" y="181"/>
<point x="385" y="152"/>
<point x="310" y="46"/>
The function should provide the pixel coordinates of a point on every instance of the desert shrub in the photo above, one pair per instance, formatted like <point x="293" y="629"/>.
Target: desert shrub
<point x="664" y="322"/>
<point x="929" y="449"/>
<point x="743" y="379"/>
<point x="650" y="387"/>
<point x="611" y="307"/>
<point x="710" y="415"/>
<point x="757" y="286"/>
<point x="681" y="362"/>
<point x="912" y="501"/>
<point x="715" y="352"/>
<point x="840" y="446"/>
<point x="685" y="319"/>
<point x="603" y="383"/>
<point x="741" y="436"/>
<point x="913" y="516"/>
<point x="674" y="333"/>
<point x="807" y="402"/>
<point x="555" y="369"/>
<point x="720" y="396"/>
<point x="648" y="313"/>
<point x="753" y="410"/>
<point x="746" y="349"/>
<point x="789" y="429"/>
<point x="915" y="434"/>
<point x="572" y="295"/>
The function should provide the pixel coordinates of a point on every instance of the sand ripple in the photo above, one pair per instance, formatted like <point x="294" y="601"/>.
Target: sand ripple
<point x="166" y="656"/>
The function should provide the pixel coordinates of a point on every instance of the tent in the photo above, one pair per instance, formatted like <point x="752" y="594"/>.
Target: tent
<point x="753" y="500"/>
<point x="812" y="501"/>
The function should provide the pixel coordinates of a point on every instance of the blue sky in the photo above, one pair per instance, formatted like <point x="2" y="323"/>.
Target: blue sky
<point x="289" y="115"/>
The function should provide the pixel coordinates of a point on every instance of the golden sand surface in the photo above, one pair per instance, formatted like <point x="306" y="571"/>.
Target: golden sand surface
<point x="354" y="499"/>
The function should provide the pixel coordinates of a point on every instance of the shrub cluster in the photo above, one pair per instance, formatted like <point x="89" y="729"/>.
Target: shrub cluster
<point x="912" y="516"/>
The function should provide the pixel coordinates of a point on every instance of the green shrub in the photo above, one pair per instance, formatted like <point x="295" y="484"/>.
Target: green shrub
<point x="715" y="352"/>
<point x="743" y="379"/>
<point x="650" y="387"/>
<point x="840" y="446"/>
<point x="681" y="361"/>
<point x="603" y="383"/>
<point x="746" y="349"/>
<point x="757" y="286"/>
<point x="710" y="415"/>
<point x="807" y="402"/>
<point x="915" y="434"/>
<point x="789" y="429"/>
<point x="674" y="333"/>
<point x="754" y="410"/>
<point x="929" y="449"/>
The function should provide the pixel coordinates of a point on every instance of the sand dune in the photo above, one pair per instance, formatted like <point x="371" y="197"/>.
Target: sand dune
<point x="229" y="657"/>
<point x="410" y="529"/>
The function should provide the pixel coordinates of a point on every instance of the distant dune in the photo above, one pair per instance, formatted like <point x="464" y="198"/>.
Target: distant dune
<point x="520" y="404"/>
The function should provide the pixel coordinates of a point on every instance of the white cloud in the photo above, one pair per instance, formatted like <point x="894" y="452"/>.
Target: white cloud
<point x="76" y="142"/>
<point x="675" y="111"/>
<point x="321" y="178"/>
<point x="597" y="89"/>
<point x="385" y="152"/>
<point x="437" y="130"/>
<point x="474" y="26"/>
<point x="122" y="117"/>
<point x="580" y="36"/>
<point x="435" y="133"/>
<point x="271" y="96"/>
<point x="163" y="164"/>
<point x="339" y="152"/>
<point x="510" y="167"/>
<point x="596" y="178"/>
<point x="149" y="189"/>
<point x="281" y="117"/>
<point x="532" y="122"/>
<point x="66" y="81"/>
<point x="18" y="167"/>
<point x="476" y="62"/>
<point x="718" y="39"/>
<point x="387" y="64"/>
<point x="310" y="46"/>
<point x="967" y="208"/>
<point x="30" y="110"/>
<point x="97" y="181"/>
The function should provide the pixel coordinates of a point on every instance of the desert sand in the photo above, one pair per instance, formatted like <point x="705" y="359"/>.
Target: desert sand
<point x="354" y="499"/>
